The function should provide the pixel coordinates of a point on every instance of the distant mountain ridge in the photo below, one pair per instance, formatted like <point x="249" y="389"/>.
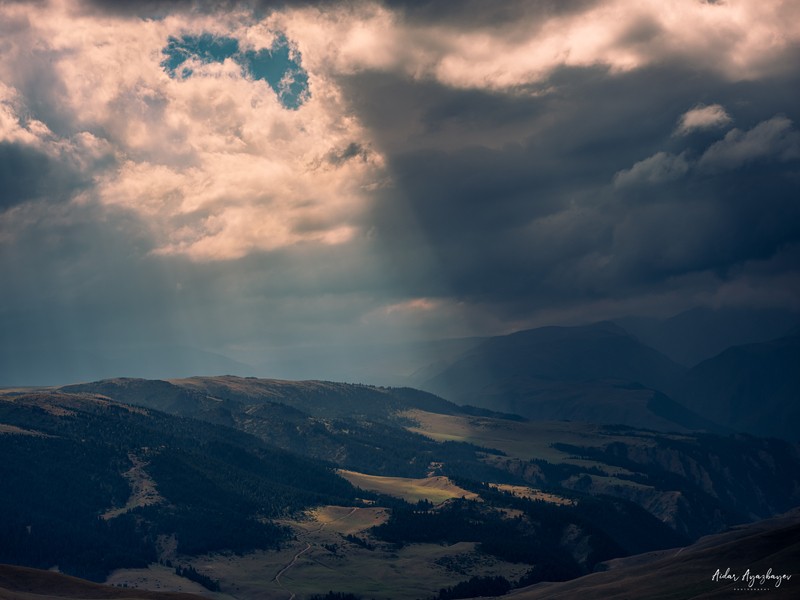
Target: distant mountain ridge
<point x="700" y="333"/>
<point x="579" y="354"/>
<point x="602" y="374"/>
<point x="596" y="373"/>
<point x="753" y="388"/>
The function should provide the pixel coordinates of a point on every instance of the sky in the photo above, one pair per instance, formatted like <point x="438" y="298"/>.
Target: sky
<point x="262" y="179"/>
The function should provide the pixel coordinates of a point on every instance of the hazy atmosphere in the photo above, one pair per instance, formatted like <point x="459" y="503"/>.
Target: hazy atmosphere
<point x="399" y="300"/>
<point x="185" y="185"/>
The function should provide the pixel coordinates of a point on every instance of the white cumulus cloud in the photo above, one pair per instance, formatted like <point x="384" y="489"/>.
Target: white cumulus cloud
<point x="214" y="163"/>
<point x="702" y="117"/>
<point x="737" y="39"/>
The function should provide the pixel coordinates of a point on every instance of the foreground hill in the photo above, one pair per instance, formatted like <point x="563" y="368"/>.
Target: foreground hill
<point x="254" y="496"/>
<point x="769" y="548"/>
<point x="91" y="485"/>
<point x="698" y="484"/>
<point x="356" y="426"/>
<point x="753" y="388"/>
<point x="23" y="583"/>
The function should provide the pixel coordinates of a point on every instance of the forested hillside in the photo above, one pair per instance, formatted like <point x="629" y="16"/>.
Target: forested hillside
<point x="98" y="479"/>
<point x="63" y="470"/>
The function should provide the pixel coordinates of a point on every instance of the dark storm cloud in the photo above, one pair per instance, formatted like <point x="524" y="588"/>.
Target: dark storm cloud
<point x="26" y="174"/>
<point x="712" y="225"/>
<point x="353" y="150"/>
<point x="478" y="13"/>
<point x="522" y="226"/>
<point x="160" y="8"/>
<point x="475" y="165"/>
<point x="38" y="83"/>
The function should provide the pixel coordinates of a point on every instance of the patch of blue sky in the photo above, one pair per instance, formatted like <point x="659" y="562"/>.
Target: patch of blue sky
<point x="279" y="66"/>
<point x="206" y="48"/>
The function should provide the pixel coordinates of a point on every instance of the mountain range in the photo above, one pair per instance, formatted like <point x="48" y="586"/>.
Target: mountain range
<point x="700" y="333"/>
<point x="231" y="481"/>
<point x="601" y="373"/>
<point x="584" y="455"/>
<point x="686" y="338"/>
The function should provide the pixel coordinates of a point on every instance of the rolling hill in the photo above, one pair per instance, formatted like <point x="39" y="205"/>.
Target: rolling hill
<point x="76" y="468"/>
<point x="682" y="480"/>
<point x="24" y="583"/>
<point x="357" y="426"/>
<point x="696" y="483"/>
<point x="324" y="399"/>
<point x="769" y="548"/>
<point x="246" y="481"/>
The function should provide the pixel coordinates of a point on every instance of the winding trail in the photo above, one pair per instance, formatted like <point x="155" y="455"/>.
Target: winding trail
<point x="290" y="564"/>
<point x="277" y="578"/>
<point x="322" y="525"/>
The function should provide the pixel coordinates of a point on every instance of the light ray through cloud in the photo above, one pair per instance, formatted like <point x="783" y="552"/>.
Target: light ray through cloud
<point x="316" y="174"/>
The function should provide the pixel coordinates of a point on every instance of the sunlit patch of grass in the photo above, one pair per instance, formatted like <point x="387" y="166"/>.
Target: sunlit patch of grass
<point x="433" y="489"/>
<point x="533" y="494"/>
<point x="345" y="520"/>
<point x="525" y="440"/>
